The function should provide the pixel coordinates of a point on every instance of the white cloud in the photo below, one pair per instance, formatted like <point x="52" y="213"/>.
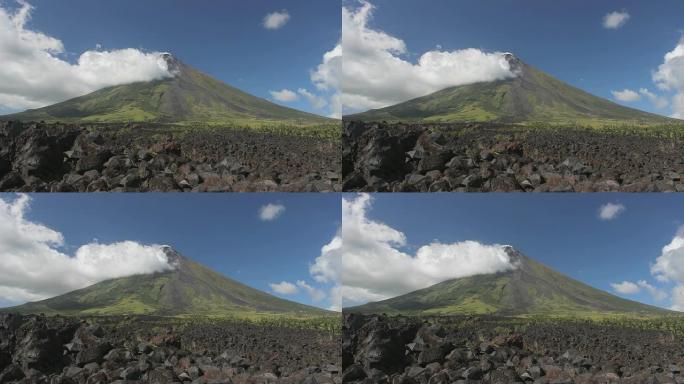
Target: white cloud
<point x="316" y="101"/>
<point x="327" y="78"/>
<point x="657" y="101"/>
<point x="33" y="75"/>
<point x="629" y="96"/>
<point x="327" y="75"/>
<point x="610" y="211"/>
<point x="678" y="298"/>
<point x="284" y="95"/>
<point x="670" y="77"/>
<point x="626" y="288"/>
<point x="656" y="294"/>
<point x="284" y="288"/>
<point x="373" y="261"/>
<point x="629" y="288"/>
<point x="33" y="267"/>
<point x="615" y="20"/>
<point x="325" y="271"/>
<point x="669" y="266"/>
<point x="335" y="298"/>
<point x="678" y="106"/>
<point x="626" y="95"/>
<point x="326" y="267"/>
<point x="276" y="20"/>
<point x="270" y="211"/>
<point x="375" y="74"/>
<point x="315" y="293"/>
<point x="336" y="105"/>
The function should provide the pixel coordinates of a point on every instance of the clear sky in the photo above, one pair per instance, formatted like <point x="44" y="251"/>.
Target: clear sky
<point x="565" y="38"/>
<point x="563" y="231"/>
<point x="225" y="232"/>
<point x="226" y="39"/>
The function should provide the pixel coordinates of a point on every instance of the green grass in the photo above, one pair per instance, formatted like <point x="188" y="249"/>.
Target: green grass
<point x="330" y="325"/>
<point x="472" y="305"/>
<point x="672" y="132"/>
<point x="324" y="131"/>
<point x="673" y="324"/>
<point x="128" y="304"/>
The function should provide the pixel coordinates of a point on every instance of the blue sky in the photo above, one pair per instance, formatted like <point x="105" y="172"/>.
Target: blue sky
<point x="221" y="231"/>
<point x="564" y="231"/>
<point x="225" y="39"/>
<point x="564" y="38"/>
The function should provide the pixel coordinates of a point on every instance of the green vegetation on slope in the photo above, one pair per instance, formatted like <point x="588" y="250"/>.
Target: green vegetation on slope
<point x="531" y="289"/>
<point x="191" y="97"/>
<point x="189" y="290"/>
<point x="532" y="96"/>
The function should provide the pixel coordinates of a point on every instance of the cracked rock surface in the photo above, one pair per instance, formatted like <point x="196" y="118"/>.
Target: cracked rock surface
<point x="486" y="349"/>
<point x="42" y="350"/>
<point x="382" y="157"/>
<point x="36" y="157"/>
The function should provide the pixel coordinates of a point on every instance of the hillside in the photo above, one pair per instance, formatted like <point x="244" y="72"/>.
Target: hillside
<point x="190" y="289"/>
<point x="530" y="289"/>
<point x="531" y="96"/>
<point x="188" y="97"/>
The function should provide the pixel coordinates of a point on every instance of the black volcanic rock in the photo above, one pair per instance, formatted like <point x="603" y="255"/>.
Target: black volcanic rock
<point x="38" y="157"/>
<point x="106" y="350"/>
<point x="486" y="349"/>
<point x="506" y="158"/>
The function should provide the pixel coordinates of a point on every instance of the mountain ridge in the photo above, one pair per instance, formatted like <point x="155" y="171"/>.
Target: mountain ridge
<point x="188" y="97"/>
<point x="531" y="96"/>
<point x="188" y="289"/>
<point x="530" y="289"/>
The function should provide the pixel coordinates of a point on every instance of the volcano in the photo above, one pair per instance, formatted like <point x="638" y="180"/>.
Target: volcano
<point x="531" y="288"/>
<point x="188" y="97"/>
<point x="188" y="289"/>
<point x="532" y="96"/>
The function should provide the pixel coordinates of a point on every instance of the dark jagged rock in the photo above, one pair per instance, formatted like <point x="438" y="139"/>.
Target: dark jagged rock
<point x="469" y="157"/>
<point x="486" y="349"/>
<point x="80" y="158"/>
<point x="37" y="349"/>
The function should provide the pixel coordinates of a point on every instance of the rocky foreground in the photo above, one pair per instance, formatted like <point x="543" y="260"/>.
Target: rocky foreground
<point x="480" y="157"/>
<point x="40" y="157"/>
<point x="35" y="349"/>
<point x="435" y="350"/>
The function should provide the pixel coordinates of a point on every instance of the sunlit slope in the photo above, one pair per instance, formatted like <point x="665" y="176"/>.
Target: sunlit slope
<point x="191" y="289"/>
<point x="530" y="289"/>
<point x="189" y="97"/>
<point x="532" y="96"/>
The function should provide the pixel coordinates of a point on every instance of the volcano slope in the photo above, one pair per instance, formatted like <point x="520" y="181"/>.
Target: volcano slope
<point x="188" y="324"/>
<point x="528" y="133"/>
<point x="221" y="139"/>
<point x="527" y="325"/>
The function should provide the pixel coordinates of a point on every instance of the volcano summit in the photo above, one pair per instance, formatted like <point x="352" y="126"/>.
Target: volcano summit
<point x="188" y="96"/>
<point x="530" y="96"/>
<point x="531" y="288"/>
<point x="188" y="289"/>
